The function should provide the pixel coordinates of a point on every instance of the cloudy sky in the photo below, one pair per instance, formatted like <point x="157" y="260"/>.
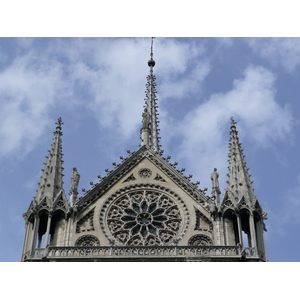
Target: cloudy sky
<point x="97" y="86"/>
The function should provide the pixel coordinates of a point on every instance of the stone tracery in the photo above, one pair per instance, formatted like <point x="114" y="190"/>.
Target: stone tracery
<point x="144" y="218"/>
<point x="200" y="240"/>
<point x="87" y="241"/>
<point x="145" y="173"/>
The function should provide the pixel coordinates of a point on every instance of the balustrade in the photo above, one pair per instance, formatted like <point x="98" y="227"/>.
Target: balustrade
<point x="141" y="251"/>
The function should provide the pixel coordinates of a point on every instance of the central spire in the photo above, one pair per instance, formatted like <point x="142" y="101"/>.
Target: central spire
<point x="149" y="128"/>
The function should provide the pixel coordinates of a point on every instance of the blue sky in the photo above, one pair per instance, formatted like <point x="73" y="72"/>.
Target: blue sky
<point x="97" y="86"/>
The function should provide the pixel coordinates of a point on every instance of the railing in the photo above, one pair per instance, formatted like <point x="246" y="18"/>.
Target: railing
<point x="140" y="251"/>
<point x="249" y="252"/>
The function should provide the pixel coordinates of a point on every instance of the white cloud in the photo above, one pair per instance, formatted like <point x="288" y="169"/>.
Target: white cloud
<point x="278" y="51"/>
<point x="104" y="75"/>
<point x="252" y="103"/>
<point x="27" y="89"/>
<point x="117" y="78"/>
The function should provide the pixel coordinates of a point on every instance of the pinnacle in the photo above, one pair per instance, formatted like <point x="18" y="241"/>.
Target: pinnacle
<point x="239" y="182"/>
<point x="52" y="173"/>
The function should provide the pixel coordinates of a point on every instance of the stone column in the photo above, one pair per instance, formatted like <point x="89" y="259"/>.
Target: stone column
<point x="25" y="243"/>
<point x="264" y="245"/>
<point x="35" y="232"/>
<point x="48" y="229"/>
<point x="225" y="231"/>
<point x="239" y="228"/>
<point x="252" y="231"/>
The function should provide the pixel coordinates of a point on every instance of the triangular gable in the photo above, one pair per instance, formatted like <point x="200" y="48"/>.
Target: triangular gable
<point x="61" y="202"/>
<point x="123" y="172"/>
<point x="228" y="201"/>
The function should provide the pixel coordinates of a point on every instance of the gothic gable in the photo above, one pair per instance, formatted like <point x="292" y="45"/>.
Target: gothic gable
<point x="158" y="170"/>
<point x="144" y="201"/>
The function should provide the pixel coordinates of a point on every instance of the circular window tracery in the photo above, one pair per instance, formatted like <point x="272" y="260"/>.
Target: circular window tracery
<point x="87" y="241"/>
<point x="143" y="218"/>
<point x="145" y="173"/>
<point x="200" y="240"/>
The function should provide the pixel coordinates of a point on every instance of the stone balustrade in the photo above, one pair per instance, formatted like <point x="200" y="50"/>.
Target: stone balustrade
<point x="58" y="253"/>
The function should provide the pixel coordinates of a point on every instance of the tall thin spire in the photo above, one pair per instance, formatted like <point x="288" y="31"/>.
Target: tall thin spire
<point x="150" y="129"/>
<point x="51" y="180"/>
<point x="239" y="182"/>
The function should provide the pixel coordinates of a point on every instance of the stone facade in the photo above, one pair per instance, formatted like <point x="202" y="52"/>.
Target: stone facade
<point x="145" y="209"/>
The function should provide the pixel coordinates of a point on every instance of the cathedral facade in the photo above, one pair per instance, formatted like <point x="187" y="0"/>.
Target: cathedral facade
<point x="145" y="209"/>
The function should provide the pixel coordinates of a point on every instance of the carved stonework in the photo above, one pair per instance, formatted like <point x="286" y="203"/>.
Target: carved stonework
<point x="257" y="207"/>
<point x="200" y="218"/>
<point x="44" y="205"/>
<point x="200" y="240"/>
<point x="228" y="204"/>
<point x="144" y="217"/>
<point x="131" y="162"/>
<point x="130" y="178"/>
<point x="243" y="204"/>
<point x="159" y="178"/>
<point x="60" y="204"/>
<point x="145" y="173"/>
<point x="86" y="223"/>
<point x="87" y="241"/>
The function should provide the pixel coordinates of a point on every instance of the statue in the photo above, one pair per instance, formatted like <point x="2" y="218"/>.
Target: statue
<point x="74" y="181"/>
<point x="146" y="119"/>
<point x="214" y="178"/>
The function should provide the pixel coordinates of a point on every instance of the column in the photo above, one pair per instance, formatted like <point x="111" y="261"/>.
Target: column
<point x="239" y="228"/>
<point x="35" y="231"/>
<point x="48" y="229"/>
<point x="252" y="231"/>
<point x="25" y="243"/>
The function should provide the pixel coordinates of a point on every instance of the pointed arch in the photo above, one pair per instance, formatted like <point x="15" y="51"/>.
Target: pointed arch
<point x="230" y="224"/>
<point x="243" y="204"/>
<point x="228" y="202"/>
<point x="245" y="227"/>
<point x="58" y="227"/>
<point x="60" y="202"/>
<point x="44" y="204"/>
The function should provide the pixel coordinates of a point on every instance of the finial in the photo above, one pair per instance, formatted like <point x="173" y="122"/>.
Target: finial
<point x="232" y="121"/>
<point x="59" y="123"/>
<point x="151" y="62"/>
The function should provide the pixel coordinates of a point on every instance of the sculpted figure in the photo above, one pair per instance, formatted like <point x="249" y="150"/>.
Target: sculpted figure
<point x="74" y="180"/>
<point x="214" y="179"/>
<point x="146" y="119"/>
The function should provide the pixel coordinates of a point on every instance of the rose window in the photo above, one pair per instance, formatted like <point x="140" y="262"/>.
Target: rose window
<point x="144" y="218"/>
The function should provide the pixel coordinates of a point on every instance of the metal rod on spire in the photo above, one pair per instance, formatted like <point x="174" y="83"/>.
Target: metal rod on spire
<point x="151" y="54"/>
<point x="151" y="62"/>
